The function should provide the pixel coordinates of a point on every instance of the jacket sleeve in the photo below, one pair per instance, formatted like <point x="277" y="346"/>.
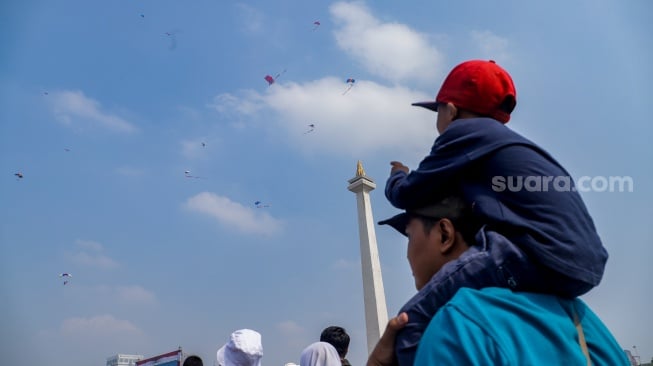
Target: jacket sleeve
<point x="436" y="176"/>
<point x="462" y="144"/>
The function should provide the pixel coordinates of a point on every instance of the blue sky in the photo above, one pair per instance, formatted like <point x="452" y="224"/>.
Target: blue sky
<point x="105" y="105"/>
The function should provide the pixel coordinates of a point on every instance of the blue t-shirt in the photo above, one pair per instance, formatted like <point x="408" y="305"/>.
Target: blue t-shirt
<point x="496" y="326"/>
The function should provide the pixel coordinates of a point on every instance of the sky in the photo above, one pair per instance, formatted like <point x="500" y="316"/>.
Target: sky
<point x="145" y="132"/>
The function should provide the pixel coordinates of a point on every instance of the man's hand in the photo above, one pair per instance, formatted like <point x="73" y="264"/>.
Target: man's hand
<point x="396" y="165"/>
<point x="384" y="351"/>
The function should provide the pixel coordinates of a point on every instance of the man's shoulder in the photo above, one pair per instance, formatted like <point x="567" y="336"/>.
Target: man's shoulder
<point x="497" y="296"/>
<point x="543" y="321"/>
<point x="493" y="305"/>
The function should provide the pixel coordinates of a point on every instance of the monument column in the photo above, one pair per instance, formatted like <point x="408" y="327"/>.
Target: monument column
<point x="376" y="313"/>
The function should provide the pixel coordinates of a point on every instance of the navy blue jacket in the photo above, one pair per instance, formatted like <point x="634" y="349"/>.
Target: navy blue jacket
<point x="486" y="160"/>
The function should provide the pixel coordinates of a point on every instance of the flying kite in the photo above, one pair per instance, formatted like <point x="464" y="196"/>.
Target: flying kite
<point x="350" y="84"/>
<point x="19" y="175"/>
<point x="188" y="175"/>
<point x="316" y="24"/>
<point x="66" y="275"/>
<point x="173" y="39"/>
<point x="271" y="80"/>
<point x="260" y="204"/>
<point x="311" y="127"/>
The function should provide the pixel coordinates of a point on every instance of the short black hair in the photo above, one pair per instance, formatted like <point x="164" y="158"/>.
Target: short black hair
<point x="462" y="217"/>
<point x="337" y="337"/>
<point x="193" y="361"/>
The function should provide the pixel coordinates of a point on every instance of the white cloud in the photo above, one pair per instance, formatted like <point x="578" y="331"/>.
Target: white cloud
<point x="293" y="334"/>
<point x="94" y="260"/>
<point x="89" y="244"/>
<point x="195" y="148"/>
<point x="492" y="46"/>
<point x="100" y="325"/>
<point x="389" y="50"/>
<point x="229" y="104"/>
<point x="233" y="214"/>
<point x="251" y="19"/>
<point x="345" y="264"/>
<point x="290" y="328"/>
<point x="74" y="109"/>
<point x="92" y="255"/>
<point x="369" y="118"/>
<point x="135" y="294"/>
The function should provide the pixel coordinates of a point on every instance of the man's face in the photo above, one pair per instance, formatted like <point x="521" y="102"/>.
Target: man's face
<point x="423" y="251"/>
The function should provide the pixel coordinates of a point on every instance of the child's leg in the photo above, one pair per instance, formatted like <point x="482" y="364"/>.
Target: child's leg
<point x="482" y="265"/>
<point x="531" y="276"/>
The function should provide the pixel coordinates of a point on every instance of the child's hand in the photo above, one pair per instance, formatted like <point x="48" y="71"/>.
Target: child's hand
<point x="396" y="165"/>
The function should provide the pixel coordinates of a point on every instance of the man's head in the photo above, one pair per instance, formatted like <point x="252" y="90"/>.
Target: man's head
<point x="437" y="234"/>
<point x="474" y="88"/>
<point x="338" y="338"/>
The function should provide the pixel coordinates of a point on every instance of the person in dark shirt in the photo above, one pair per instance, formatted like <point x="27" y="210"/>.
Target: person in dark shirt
<point x="193" y="361"/>
<point x="339" y="339"/>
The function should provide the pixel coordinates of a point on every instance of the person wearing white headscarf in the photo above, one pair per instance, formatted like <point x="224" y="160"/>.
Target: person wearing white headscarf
<point x="319" y="354"/>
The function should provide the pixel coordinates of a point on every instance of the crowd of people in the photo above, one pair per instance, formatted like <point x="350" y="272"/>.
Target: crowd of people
<point x="498" y="272"/>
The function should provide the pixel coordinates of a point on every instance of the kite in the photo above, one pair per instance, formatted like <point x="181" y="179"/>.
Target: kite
<point x="203" y="144"/>
<point x="188" y="175"/>
<point x="350" y="84"/>
<point x="316" y="24"/>
<point x="271" y="80"/>
<point x="260" y="204"/>
<point x="65" y="275"/>
<point x="173" y="39"/>
<point x="311" y="127"/>
<point x="19" y="175"/>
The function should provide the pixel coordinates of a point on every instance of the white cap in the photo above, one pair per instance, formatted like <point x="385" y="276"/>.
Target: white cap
<point x="243" y="349"/>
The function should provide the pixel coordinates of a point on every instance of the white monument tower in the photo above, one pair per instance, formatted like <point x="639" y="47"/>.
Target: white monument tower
<point x="376" y="313"/>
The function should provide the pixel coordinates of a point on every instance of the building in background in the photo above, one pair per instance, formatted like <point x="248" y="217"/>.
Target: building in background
<point x="123" y="360"/>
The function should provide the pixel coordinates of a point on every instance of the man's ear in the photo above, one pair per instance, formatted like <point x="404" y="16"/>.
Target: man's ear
<point x="447" y="236"/>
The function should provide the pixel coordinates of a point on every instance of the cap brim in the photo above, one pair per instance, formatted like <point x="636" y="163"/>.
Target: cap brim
<point x="428" y="105"/>
<point x="398" y="222"/>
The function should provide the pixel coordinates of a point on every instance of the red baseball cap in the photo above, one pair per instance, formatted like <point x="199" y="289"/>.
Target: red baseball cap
<point x="479" y="86"/>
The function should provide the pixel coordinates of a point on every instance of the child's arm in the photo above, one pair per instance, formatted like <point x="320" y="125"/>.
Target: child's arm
<point x="461" y="144"/>
<point x="435" y="176"/>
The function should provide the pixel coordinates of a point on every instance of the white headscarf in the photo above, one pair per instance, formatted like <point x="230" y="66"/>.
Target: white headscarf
<point x="320" y="354"/>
